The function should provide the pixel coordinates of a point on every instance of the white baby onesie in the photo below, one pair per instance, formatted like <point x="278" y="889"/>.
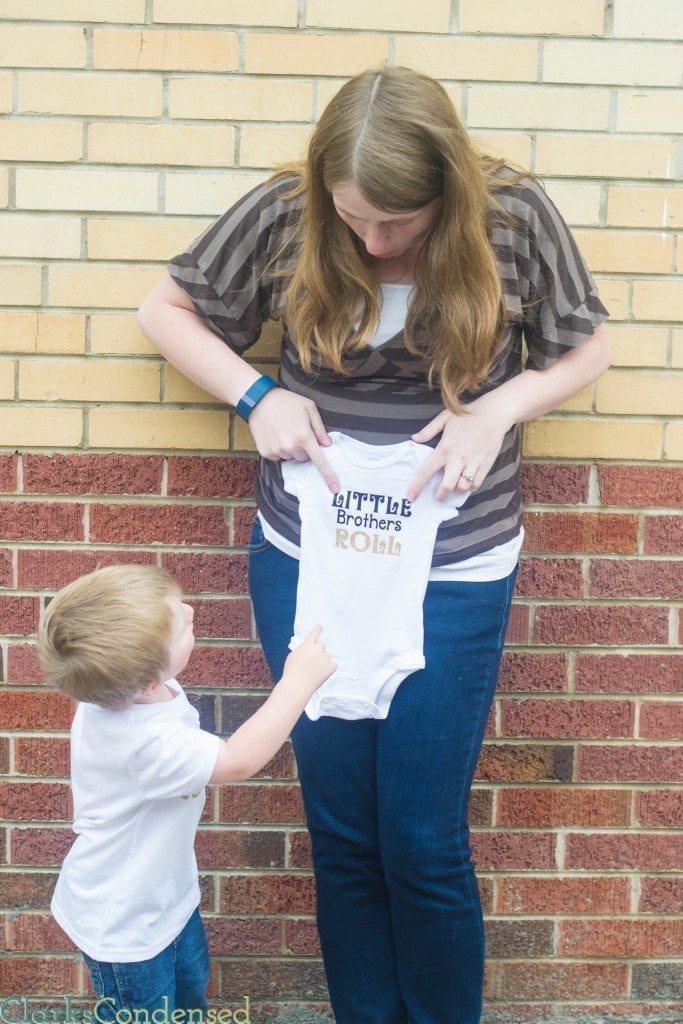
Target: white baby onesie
<point x="365" y="558"/>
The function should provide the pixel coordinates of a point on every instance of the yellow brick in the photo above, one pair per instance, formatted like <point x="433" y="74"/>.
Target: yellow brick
<point x="100" y="287"/>
<point x="118" y="334"/>
<point x="73" y="10"/>
<point x="637" y="252"/>
<point x="179" y="389"/>
<point x="640" y="394"/>
<point x="33" y="427"/>
<point x="603" y="156"/>
<point x="461" y="59"/>
<point x="673" y="441"/>
<point x="87" y="188"/>
<point x="165" y="49"/>
<point x="511" y="146"/>
<point x="534" y="17"/>
<point x="653" y="20"/>
<point x="242" y="441"/>
<point x="237" y="12"/>
<point x="208" y="192"/>
<point x="645" y="207"/>
<point x="88" y="380"/>
<point x="57" y="141"/>
<point x="28" y="46"/>
<point x="240" y="99"/>
<point x="6" y="379"/>
<point x="4" y="187"/>
<point x="31" y="235"/>
<point x="540" y="107"/>
<point x="267" y="147"/>
<point x="387" y="15"/>
<point x="594" y="438"/>
<point x="614" y="293"/>
<point x="143" y="238"/>
<point x="636" y="345"/>
<point x="610" y="62"/>
<point x="659" y="110"/>
<point x="314" y="54"/>
<point x="582" y="401"/>
<point x="42" y="332"/>
<point x="658" y="300"/>
<point x="19" y="285"/>
<point x="5" y="92"/>
<point x="194" y="145"/>
<point x="578" y="201"/>
<point x="126" y="427"/>
<point x="677" y="348"/>
<point x="96" y="94"/>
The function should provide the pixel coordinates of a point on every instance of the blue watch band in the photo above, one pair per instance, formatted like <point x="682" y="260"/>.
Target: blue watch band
<point x="253" y="395"/>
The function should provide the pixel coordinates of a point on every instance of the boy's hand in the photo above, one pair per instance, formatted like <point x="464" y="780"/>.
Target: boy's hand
<point x="310" y="664"/>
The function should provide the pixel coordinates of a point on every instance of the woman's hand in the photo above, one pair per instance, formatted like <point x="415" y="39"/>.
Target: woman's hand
<point x="469" y="444"/>
<point x="285" y="425"/>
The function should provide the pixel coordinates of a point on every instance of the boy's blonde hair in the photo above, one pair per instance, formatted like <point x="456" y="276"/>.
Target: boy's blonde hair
<point x="106" y="636"/>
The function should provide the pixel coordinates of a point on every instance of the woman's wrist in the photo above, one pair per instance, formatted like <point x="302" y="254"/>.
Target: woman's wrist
<point x="253" y="395"/>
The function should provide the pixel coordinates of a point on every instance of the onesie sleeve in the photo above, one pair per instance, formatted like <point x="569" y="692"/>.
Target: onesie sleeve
<point x="224" y="271"/>
<point x="295" y="475"/>
<point x="176" y="760"/>
<point x="558" y="299"/>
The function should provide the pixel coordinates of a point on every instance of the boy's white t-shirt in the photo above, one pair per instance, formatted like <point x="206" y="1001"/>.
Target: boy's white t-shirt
<point x="129" y="884"/>
<point x="365" y="559"/>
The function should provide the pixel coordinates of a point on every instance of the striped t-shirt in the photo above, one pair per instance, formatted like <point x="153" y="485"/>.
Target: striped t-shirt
<point x="551" y="305"/>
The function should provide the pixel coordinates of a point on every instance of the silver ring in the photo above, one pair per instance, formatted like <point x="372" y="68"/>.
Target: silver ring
<point x="470" y="479"/>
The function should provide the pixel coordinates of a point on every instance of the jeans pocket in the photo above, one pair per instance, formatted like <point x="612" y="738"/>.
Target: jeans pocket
<point x="258" y="541"/>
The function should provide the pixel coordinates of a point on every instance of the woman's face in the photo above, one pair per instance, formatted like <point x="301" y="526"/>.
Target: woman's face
<point x="386" y="236"/>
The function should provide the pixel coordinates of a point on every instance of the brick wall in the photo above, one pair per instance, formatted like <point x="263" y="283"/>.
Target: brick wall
<point x="125" y="127"/>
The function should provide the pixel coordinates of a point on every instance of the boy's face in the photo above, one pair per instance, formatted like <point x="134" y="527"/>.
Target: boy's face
<point x="182" y="637"/>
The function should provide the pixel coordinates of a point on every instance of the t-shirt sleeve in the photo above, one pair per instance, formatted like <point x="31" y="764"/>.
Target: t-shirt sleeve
<point x="559" y="299"/>
<point x="224" y="269"/>
<point x="176" y="760"/>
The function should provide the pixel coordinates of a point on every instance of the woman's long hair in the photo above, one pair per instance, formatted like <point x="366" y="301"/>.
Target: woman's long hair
<point x="395" y="135"/>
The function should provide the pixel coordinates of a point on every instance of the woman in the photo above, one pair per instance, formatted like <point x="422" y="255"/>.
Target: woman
<point x="406" y="269"/>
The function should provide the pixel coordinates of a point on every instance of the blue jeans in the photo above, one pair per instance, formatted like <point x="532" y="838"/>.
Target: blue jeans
<point x="399" y="915"/>
<point x="176" y="978"/>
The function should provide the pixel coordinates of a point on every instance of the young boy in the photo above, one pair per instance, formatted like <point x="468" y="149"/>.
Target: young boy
<point x="128" y="891"/>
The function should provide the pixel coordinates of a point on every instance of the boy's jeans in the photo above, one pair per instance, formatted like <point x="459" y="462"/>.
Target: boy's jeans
<point x="176" y="978"/>
<point x="399" y="915"/>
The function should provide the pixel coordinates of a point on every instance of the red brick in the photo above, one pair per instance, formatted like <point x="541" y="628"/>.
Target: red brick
<point x="212" y="476"/>
<point x="299" y="850"/>
<point x="553" y="895"/>
<point x="525" y="671"/>
<point x="501" y="762"/>
<point x="661" y="720"/>
<point x="562" y="806"/>
<point x="630" y="763"/>
<point x="6" y="569"/>
<point x="19" y="615"/>
<point x="226" y="667"/>
<point x="617" y="577"/>
<point x="480" y="811"/>
<point x="549" y="577"/>
<point x="39" y="976"/>
<point x="621" y="938"/>
<point x="663" y="535"/>
<point x="551" y="483"/>
<point x="271" y="979"/>
<point x="567" y="719"/>
<point x="660" y="895"/>
<point x="34" y="801"/>
<point x="552" y="980"/>
<point x="601" y="624"/>
<point x="580" y="531"/>
<point x="40" y="847"/>
<point x="8" y="474"/>
<point x="244" y="937"/>
<point x="660" y="808"/>
<point x="22" y="664"/>
<point x="301" y="938"/>
<point x="158" y="524"/>
<point x="518" y="625"/>
<point x="27" y="889"/>
<point x="46" y="757"/>
<point x="242" y="521"/>
<point x="513" y="851"/>
<point x="41" y="521"/>
<point x="39" y="933"/>
<point x="231" y="848"/>
<point x="513" y="939"/>
<point x="4" y="755"/>
<point x="267" y="894"/>
<point x="623" y="852"/>
<point x="48" y="569"/>
<point x="92" y="474"/>
<point x="38" y="711"/>
<point x="632" y="673"/>
<point x="641" y="486"/>
<point x="261" y="804"/>
<point x="229" y="618"/>
<point x="212" y="573"/>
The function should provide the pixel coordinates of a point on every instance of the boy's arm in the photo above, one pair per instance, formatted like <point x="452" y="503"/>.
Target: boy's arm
<point x="258" y="740"/>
